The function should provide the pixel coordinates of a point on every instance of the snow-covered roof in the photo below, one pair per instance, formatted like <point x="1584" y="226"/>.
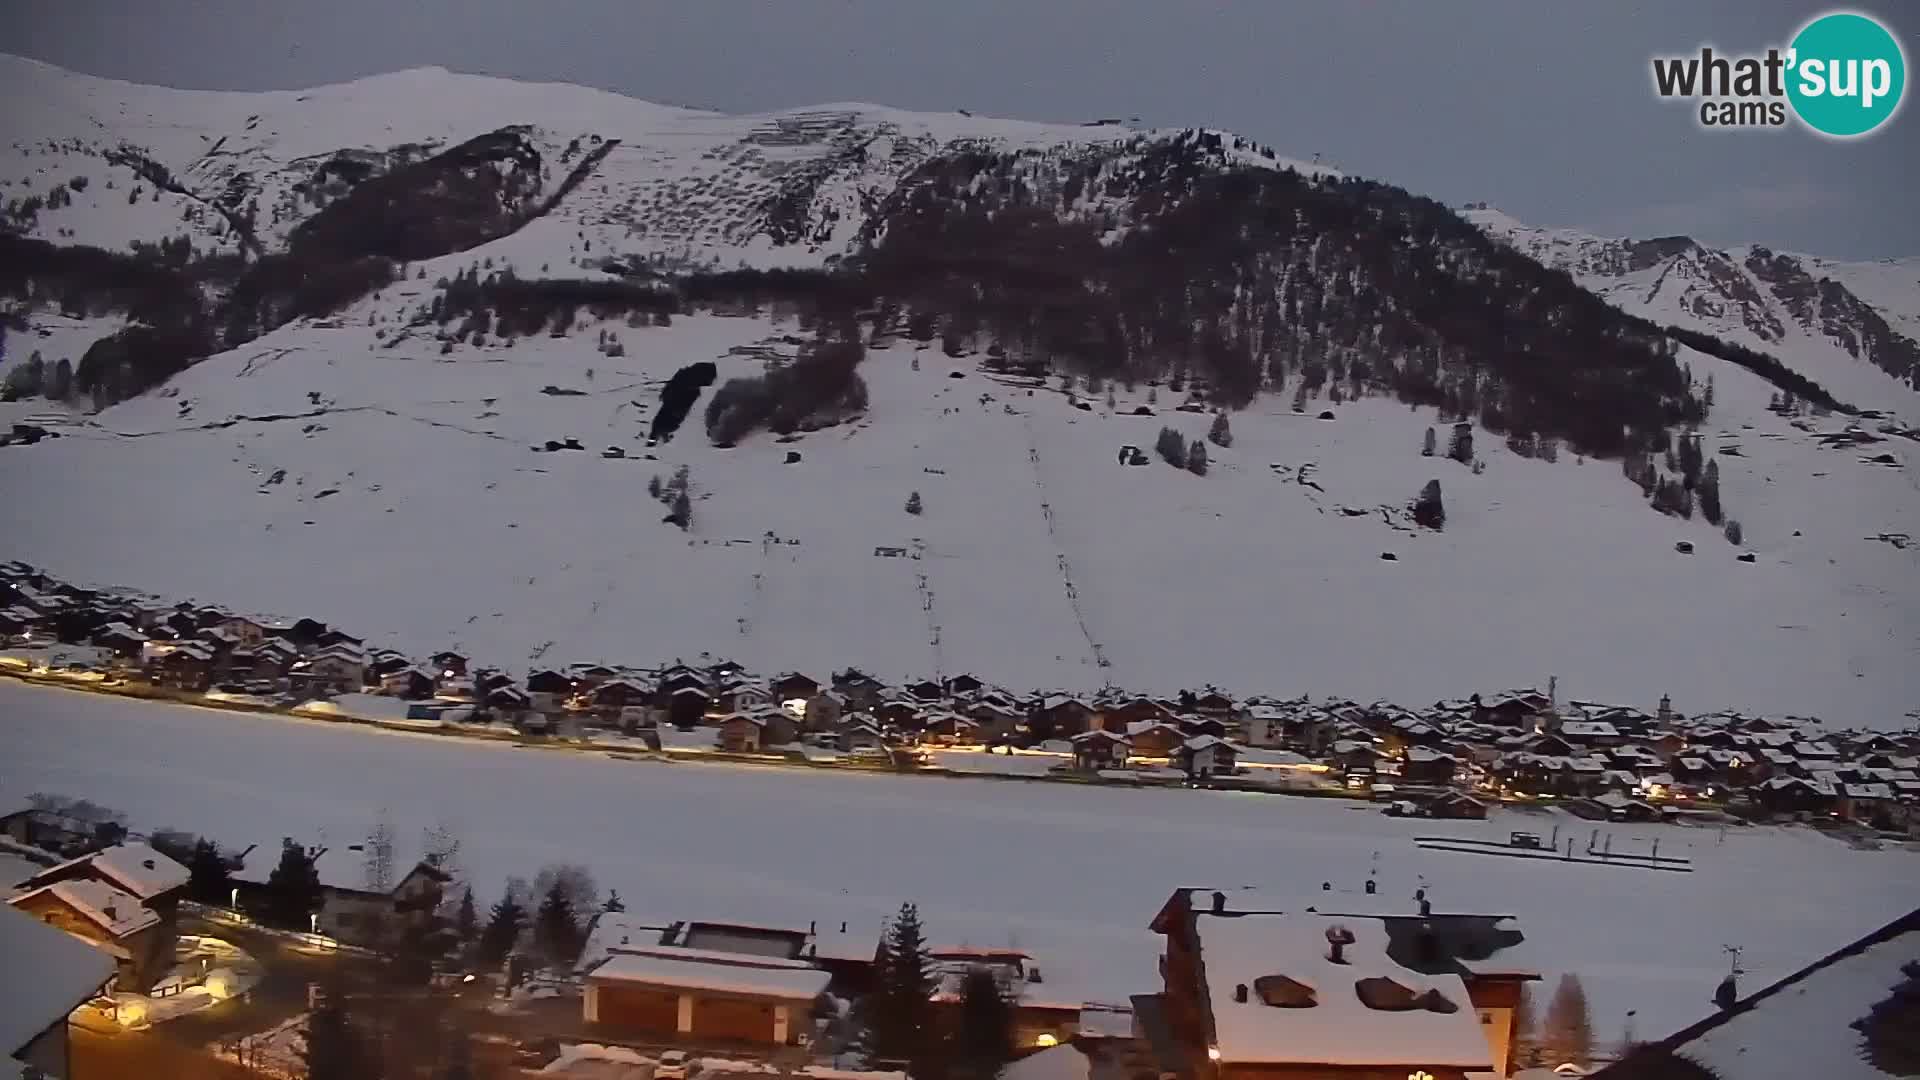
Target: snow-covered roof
<point x="1423" y="753"/>
<point x="1866" y="791"/>
<point x="662" y="967"/>
<point x="614" y="931"/>
<point x="1588" y="729"/>
<point x="1099" y="735"/>
<point x="1802" y="1026"/>
<point x="1206" y="742"/>
<point x="66" y="971"/>
<point x="1338" y="1028"/>
<point x="139" y="869"/>
<point x="116" y="912"/>
<point x="1066" y="1062"/>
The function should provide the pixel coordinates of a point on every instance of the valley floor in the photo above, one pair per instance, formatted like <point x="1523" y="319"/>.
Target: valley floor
<point x="1071" y="875"/>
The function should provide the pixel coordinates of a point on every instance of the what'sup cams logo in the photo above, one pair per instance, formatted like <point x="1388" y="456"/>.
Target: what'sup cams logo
<point x="1843" y="75"/>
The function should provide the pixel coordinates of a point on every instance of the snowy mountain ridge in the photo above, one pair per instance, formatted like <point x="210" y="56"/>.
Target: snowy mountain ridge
<point x="392" y="470"/>
<point x="1854" y="327"/>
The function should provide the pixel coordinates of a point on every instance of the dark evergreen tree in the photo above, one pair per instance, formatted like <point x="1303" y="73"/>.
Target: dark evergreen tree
<point x="1709" y="491"/>
<point x="1460" y="444"/>
<point x="653" y="486"/>
<point x="1689" y="451"/>
<point x="1428" y="510"/>
<point x="508" y="919"/>
<point x="1197" y="458"/>
<point x="1171" y="448"/>
<point x="293" y="888"/>
<point x="1567" y="1034"/>
<point x="209" y="880"/>
<point x="1427" y="445"/>
<point x="335" y="1047"/>
<point x="60" y="381"/>
<point x="1735" y="534"/>
<point x="900" y="1020"/>
<point x="983" y="1037"/>
<point x="466" y="922"/>
<point x="913" y="503"/>
<point x="1220" y="434"/>
<point x="556" y="931"/>
<point x="681" y="512"/>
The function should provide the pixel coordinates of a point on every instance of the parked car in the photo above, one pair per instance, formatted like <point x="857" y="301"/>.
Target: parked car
<point x="671" y="1066"/>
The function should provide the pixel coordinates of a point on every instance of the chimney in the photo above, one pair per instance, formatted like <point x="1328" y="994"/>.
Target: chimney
<point x="1372" y="887"/>
<point x="1426" y="907"/>
<point x="148" y="863"/>
<point x="1338" y="938"/>
<point x="1240" y="993"/>
<point x="114" y="914"/>
<point x="843" y="926"/>
<point x="813" y="926"/>
<point x="1724" y="995"/>
<point x="1219" y="903"/>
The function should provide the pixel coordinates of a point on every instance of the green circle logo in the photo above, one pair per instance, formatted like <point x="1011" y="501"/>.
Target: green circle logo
<point x="1847" y="74"/>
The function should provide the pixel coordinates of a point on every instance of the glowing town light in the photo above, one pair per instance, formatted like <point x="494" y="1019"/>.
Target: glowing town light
<point x="1046" y="1039"/>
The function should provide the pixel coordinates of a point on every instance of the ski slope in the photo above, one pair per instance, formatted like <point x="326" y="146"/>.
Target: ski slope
<point x="1069" y="873"/>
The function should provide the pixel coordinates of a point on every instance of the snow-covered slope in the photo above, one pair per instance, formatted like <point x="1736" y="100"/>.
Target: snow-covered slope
<point x="394" y="487"/>
<point x="1852" y="327"/>
<point x="402" y="494"/>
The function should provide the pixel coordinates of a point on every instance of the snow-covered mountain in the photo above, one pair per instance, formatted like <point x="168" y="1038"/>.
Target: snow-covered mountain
<point x="377" y="464"/>
<point x="1853" y="327"/>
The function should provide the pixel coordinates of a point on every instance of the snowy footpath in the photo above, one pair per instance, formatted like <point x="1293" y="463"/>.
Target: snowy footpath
<point x="1070" y="873"/>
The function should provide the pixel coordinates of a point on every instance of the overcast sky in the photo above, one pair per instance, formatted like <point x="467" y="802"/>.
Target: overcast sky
<point x="1543" y="109"/>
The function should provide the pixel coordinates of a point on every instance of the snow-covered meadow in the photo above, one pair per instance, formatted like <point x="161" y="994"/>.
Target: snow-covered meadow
<point x="1070" y="873"/>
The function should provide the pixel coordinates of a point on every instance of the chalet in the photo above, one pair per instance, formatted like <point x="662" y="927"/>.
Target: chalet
<point x="1097" y="749"/>
<point x="342" y="668"/>
<point x="1060" y="716"/>
<point x="1590" y="733"/>
<point x="1214" y="703"/>
<point x="123" y="641"/>
<point x="951" y="727"/>
<point x="926" y="690"/>
<point x="60" y="833"/>
<point x="183" y="667"/>
<point x="450" y="665"/>
<point x="548" y="690"/>
<point x="740" y="733"/>
<point x="1123" y="715"/>
<point x="51" y="974"/>
<point x="384" y="663"/>
<point x="1267" y="725"/>
<point x="739" y="695"/>
<point x="1427" y="766"/>
<point x="857" y="731"/>
<point x="510" y="700"/>
<point x="1272" y="988"/>
<point x="1620" y="807"/>
<point x="675" y="993"/>
<point x="1205" y="755"/>
<point x="244" y="630"/>
<point x="1457" y="806"/>
<point x="1865" y="803"/>
<point x="1353" y="756"/>
<point x="794" y="685"/>
<point x="678" y="678"/>
<point x="1512" y="710"/>
<point x="961" y="685"/>
<point x="616" y="694"/>
<point x="124" y="898"/>
<point x="1155" y="738"/>
<point x="823" y="710"/>
<point x="995" y="723"/>
<point x="410" y="683"/>
<point x="900" y="713"/>
<point x="686" y="706"/>
<point x="587" y="676"/>
<point x="1203" y="725"/>
<point x="862" y="691"/>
